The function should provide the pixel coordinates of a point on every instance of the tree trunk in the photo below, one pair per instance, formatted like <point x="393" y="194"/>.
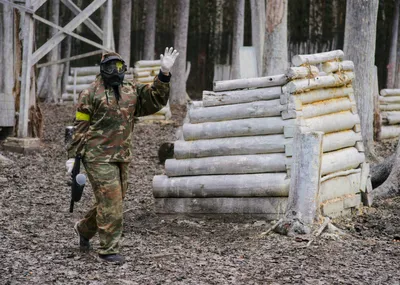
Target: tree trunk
<point x="1" y="46"/>
<point x="124" y="45"/>
<point x="66" y="54"/>
<point x="8" y="50"/>
<point x="178" y="82"/>
<point x="359" y="46"/>
<point x="53" y="95"/>
<point x="275" y="45"/>
<point x="391" y="67"/>
<point x="257" y="30"/>
<point x="150" y="29"/>
<point x="238" y="32"/>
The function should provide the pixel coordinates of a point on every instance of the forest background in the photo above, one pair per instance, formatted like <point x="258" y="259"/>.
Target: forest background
<point x="313" y="26"/>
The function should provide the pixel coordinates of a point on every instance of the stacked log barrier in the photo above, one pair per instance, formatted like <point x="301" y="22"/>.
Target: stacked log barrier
<point x="326" y="103"/>
<point x="144" y="73"/>
<point x="235" y="151"/>
<point x="231" y="155"/>
<point x="389" y="107"/>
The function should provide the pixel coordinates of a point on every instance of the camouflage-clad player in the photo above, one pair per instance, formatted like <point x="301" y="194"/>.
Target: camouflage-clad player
<point x="103" y="135"/>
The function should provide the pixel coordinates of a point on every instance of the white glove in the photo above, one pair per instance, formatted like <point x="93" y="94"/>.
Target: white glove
<point x="168" y="59"/>
<point x="69" y="165"/>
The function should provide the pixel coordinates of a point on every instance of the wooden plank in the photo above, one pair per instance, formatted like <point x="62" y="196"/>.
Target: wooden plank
<point x="269" y="81"/>
<point x="390" y="92"/>
<point x="84" y="55"/>
<point x="298" y="60"/>
<point x="244" y="185"/>
<point x="340" y="160"/>
<point x="339" y="140"/>
<point x="324" y="94"/>
<point x="302" y="72"/>
<point x="326" y="107"/>
<point x="340" y="186"/>
<point x="332" y="80"/>
<point x="332" y="123"/>
<point x="334" y="66"/>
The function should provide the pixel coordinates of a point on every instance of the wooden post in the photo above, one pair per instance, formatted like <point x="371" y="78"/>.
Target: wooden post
<point x="8" y="70"/>
<point x="238" y="31"/>
<point x="303" y="203"/>
<point x="26" y="74"/>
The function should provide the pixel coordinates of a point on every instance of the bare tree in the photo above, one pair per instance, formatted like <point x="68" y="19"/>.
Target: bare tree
<point x="391" y="67"/>
<point x="359" y="46"/>
<point x="238" y="31"/>
<point x="150" y="29"/>
<point x="275" y="45"/>
<point x="124" y="45"/>
<point x="8" y="52"/>
<point x="1" y="46"/>
<point x="258" y="30"/>
<point x="54" y="54"/>
<point x="178" y="82"/>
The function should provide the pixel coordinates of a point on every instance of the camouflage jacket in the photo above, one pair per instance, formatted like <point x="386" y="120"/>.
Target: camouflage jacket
<point x="103" y="126"/>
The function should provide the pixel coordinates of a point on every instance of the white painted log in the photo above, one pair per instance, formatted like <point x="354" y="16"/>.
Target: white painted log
<point x="298" y="60"/>
<point x="333" y="66"/>
<point x="152" y="118"/>
<point x="88" y="70"/>
<point x="390" y="92"/>
<point x="339" y="140"/>
<point x="326" y="107"/>
<point x="323" y="94"/>
<point x="332" y="122"/>
<point x="230" y="146"/>
<point x="79" y="88"/>
<point x="340" y="186"/>
<point x="389" y="99"/>
<point x="90" y="78"/>
<point x="332" y="80"/>
<point x="388" y="132"/>
<point x="235" y="164"/>
<point x="302" y="72"/>
<point x="340" y="160"/>
<point x="341" y="173"/>
<point x="257" y="109"/>
<point x="211" y="98"/>
<point x="235" y="128"/>
<point x="392" y="118"/>
<point x="390" y="107"/>
<point x="271" y="208"/>
<point x="244" y="185"/>
<point x="151" y="69"/>
<point x="146" y="63"/>
<point x="143" y="74"/>
<point x="269" y="81"/>
<point x="303" y="199"/>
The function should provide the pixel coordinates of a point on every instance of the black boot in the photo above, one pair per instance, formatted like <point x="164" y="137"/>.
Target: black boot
<point x="112" y="258"/>
<point x="84" y="244"/>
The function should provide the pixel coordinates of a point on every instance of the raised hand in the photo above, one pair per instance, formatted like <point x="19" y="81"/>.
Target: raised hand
<point x="168" y="59"/>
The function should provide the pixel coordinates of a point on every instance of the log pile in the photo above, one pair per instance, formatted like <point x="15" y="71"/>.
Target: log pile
<point x="325" y="103"/>
<point x="236" y="150"/>
<point x="231" y="158"/>
<point x="144" y="73"/>
<point x="389" y="107"/>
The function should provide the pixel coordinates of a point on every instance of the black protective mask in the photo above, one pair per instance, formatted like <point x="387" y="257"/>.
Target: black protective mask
<point x="113" y="72"/>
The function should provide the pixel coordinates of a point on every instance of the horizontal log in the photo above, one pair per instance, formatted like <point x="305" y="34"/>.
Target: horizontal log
<point x="143" y="74"/>
<point x="271" y="208"/>
<point x="245" y="185"/>
<point x="389" y="99"/>
<point x="332" y="80"/>
<point x="302" y="72"/>
<point x="332" y="123"/>
<point x="339" y="140"/>
<point x="87" y="70"/>
<point x="68" y="97"/>
<point x="235" y="164"/>
<point x="146" y="63"/>
<point x="257" y="109"/>
<point x="334" y="66"/>
<point x="145" y="79"/>
<point x="388" y="132"/>
<point x="326" y="107"/>
<point x="316" y="58"/>
<point x="154" y="117"/>
<point x="323" y="94"/>
<point x="340" y="160"/>
<point x="230" y="146"/>
<point x="235" y="128"/>
<point x="268" y="81"/>
<point x="87" y="79"/>
<point x="79" y="88"/>
<point x="342" y="173"/>
<point x="392" y="118"/>
<point x="390" y="92"/>
<point x="389" y="107"/>
<point x="211" y="98"/>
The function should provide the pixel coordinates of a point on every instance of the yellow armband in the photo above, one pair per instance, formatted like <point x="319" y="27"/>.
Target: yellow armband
<point x="82" y="116"/>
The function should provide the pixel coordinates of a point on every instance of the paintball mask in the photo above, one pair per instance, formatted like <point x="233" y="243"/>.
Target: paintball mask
<point x="112" y="69"/>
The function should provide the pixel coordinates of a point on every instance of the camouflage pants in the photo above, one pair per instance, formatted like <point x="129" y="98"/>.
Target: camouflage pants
<point x="109" y="182"/>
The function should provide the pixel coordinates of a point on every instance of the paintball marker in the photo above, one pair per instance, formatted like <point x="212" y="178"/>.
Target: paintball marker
<point x="78" y="183"/>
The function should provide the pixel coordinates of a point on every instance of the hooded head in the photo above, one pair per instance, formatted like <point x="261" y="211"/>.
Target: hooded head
<point x="112" y="69"/>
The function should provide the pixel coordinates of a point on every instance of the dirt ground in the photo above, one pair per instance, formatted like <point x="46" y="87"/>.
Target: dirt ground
<point x="38" y="245"/>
